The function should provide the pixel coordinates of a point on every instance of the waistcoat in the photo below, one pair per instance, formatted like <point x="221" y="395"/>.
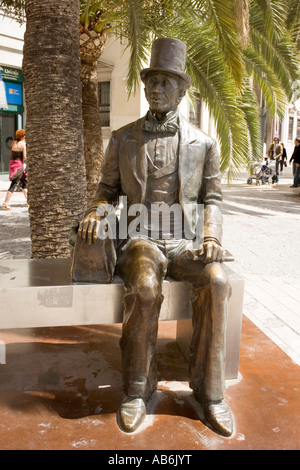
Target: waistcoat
<point x="162" y="188"/>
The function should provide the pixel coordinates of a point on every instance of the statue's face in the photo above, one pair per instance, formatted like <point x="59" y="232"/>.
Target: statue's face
<point x="163" y="92"/>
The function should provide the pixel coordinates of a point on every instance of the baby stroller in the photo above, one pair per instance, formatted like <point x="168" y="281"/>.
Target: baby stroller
<point x="262" y="174"/>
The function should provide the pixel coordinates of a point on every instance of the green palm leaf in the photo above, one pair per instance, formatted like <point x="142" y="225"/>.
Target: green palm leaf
<point x="217" y="89"/>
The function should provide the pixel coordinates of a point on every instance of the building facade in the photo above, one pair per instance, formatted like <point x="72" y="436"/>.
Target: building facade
<point x="12" y="108"/>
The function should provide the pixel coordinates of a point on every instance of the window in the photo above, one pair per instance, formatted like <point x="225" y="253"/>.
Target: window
<point x="195" y="113"/>
<point x="298" y="128"/>
<point x="104" y="103"/>
<point x="291" y="128"/>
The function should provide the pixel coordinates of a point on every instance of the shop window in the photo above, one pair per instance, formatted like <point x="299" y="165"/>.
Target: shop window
<point x="291" y="128"/>
<point x="104" y="103"/>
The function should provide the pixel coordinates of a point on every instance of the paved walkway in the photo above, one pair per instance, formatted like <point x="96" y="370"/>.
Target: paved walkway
<point x="261" y="229"/>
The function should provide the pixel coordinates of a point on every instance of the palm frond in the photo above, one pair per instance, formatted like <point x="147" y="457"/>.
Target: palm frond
<point x="269" y="16"/>
<point x="293" y="22"/>
<point x="250" y="106"/>
<point x="264" y="77"/>
<point x="280" y="56"/>
<point x="223" y="19"/>
<point x="135" y="23"/>
<point x="14" y="9"/>
<point x="217" y="89"/>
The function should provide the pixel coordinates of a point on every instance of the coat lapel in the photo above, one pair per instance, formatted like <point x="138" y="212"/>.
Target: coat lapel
<point x="190" y="168"/>
<point x="135" y="158"/>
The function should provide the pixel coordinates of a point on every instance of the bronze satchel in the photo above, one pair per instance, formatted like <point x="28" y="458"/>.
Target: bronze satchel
<point x="93" y="263"/>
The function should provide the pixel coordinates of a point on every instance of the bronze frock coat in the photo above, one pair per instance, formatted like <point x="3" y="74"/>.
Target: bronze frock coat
<point x="124" y="172"/>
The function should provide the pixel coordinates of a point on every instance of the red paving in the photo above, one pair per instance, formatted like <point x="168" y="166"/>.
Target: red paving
<point x="60" y="389"/>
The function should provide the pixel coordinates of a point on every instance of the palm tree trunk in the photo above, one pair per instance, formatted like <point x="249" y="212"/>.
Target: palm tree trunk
<point x="242" y="15"/>
<point x="54" y="126"/>
<point x="91" y="48"/>
<point x="93" y="144"/>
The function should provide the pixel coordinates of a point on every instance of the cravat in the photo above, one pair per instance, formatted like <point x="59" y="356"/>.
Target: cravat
<point x="156" y="127"/>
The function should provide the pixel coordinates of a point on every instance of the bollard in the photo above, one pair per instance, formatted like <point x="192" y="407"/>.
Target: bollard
<point x="2" y="353"/>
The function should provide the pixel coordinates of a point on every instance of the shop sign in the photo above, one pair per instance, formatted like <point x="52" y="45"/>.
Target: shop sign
<point x="13" y="93"/>
<point x="11" y="74"/>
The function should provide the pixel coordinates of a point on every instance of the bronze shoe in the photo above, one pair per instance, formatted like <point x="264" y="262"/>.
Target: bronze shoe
<point x="131" y="414"/>
<point x="219" y="416"/>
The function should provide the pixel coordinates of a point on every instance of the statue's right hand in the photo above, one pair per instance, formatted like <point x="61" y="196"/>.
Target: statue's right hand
<point x="89" y="227"/>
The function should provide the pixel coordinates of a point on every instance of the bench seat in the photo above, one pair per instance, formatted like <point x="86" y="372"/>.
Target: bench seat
<point x="38" y="293"/>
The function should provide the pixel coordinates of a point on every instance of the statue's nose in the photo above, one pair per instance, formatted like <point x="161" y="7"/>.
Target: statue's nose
<point x="158" y="87"/>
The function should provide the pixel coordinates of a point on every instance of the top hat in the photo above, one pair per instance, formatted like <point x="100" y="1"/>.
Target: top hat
<point x="168" y="55"/>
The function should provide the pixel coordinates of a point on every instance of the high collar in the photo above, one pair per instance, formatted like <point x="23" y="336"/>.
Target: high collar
<point x="166" y="126"/>
<point x="171" y="116"/>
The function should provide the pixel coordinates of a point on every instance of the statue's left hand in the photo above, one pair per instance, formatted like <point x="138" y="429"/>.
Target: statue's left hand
<point x="210" y="252"/>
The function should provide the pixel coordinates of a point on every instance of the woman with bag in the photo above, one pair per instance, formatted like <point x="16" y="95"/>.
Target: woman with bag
<point x="17" y="174"/>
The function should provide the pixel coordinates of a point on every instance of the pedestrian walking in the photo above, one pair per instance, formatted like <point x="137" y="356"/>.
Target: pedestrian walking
<point x="275" y="153"/>
<point x="295" y="158"/>
<point x="17" y="174"/>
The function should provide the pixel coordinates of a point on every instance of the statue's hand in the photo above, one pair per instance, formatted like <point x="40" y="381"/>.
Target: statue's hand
<point x="210" y="252"/>
<point x="89" y="227"/>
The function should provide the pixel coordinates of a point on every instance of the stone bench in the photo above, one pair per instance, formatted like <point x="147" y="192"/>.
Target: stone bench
<point x="39" y="293"/>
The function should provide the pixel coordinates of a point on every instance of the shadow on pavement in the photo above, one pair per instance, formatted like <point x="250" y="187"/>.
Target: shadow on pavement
<point x="261" y="201"/>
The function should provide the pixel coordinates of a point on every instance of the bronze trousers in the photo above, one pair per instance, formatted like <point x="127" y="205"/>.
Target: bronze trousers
<point x="143" y="266"/>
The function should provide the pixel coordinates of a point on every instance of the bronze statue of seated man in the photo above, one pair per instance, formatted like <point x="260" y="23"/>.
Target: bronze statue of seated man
<point x="162" y="159"/>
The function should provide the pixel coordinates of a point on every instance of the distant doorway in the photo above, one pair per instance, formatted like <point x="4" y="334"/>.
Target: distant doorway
<point x="7" y="135"/>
